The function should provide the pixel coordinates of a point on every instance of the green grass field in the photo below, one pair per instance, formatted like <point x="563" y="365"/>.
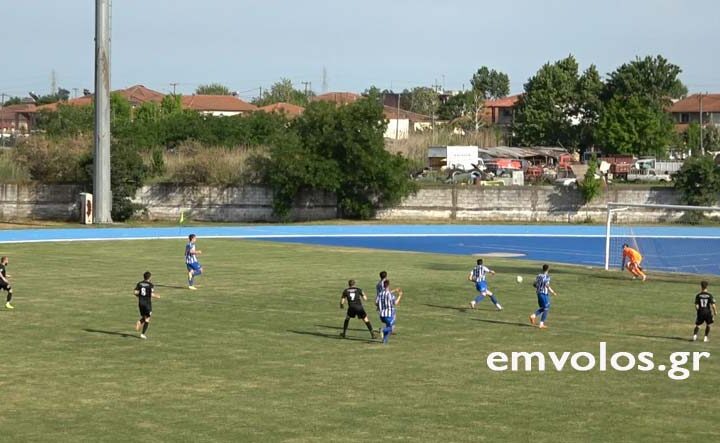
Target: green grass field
<point x="254" y="355"/>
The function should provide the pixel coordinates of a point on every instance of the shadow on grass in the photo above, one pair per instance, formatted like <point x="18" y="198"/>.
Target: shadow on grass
<point x="332" y="336"/>
<point x="444" y="267"/>
<point x="157" y="285"/>
<point x="507" y="323"/>
<point x="664" y="337"/>
<point x="121" y="334"/>
<point x="339" y="328"/>
<point x="458" y="308"/>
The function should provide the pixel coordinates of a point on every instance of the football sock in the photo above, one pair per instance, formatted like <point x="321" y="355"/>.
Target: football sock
<point x="707" y="331"/>
<point x="479" y="298"/>
<point x="387" y="330"/>
<point x="369" y="326"/>
<point x="493" y="299"/>
<point x="697" y="329"/>
<point x="544" y="315"/>
<point x="345" y="325"/>
<point x="9" y="297"/>
<point x="197" y="272"/>
<point x="145" y="327"/>
<point x="538" y="312"/>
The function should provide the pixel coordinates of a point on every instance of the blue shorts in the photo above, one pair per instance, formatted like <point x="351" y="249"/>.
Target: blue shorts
<point x="543" y="301"/>
<point x="193" y="266"/>
<point x="481" y="286"/>
<point x="389" y="321"/>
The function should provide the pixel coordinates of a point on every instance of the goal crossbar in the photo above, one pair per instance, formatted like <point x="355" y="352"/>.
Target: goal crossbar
<point x="613" y="207"/>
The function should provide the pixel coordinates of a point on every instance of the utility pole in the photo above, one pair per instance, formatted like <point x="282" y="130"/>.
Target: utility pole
<point x="53" y="83"/>
<point x="306" y="84"/>
<point x="101" y="178"/>
<point x="2" y="130"/>
<point x="702" y="148"/>
<point x="397" y="120"/>
<point x="174" y="85"/>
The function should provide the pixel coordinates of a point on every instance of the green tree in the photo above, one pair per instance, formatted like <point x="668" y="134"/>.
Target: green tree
<point x="550" y="111"/>
<point x="171" y="104"/>
<point x="457" y="107"/>
<point x="692" y="138"/>
<point x="13" y="101"/>
<point x="339" y="149"/>
<point x="422" y="100"/>
<point x="634" y="126"/>
<point x="212" y="89"/>
<point x="486" y="84"/>
<point x="590" y="186"/>
<point x="652" y="78"/>
<point x="284" y="91"/>
<point x="698" y="181"/>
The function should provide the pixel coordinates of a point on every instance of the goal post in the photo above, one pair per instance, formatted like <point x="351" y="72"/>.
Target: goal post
<point x="624" y="219"/>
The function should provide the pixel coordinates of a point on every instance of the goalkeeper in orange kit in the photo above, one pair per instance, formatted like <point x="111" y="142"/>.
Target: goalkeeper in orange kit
<point x="631" y="260"/>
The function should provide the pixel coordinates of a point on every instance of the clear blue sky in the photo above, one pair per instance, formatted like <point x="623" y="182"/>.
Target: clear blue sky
<point x="388" y="43"/>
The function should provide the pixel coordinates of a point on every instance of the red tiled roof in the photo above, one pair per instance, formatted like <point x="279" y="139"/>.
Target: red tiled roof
<point x="288" y="108"/>
<point x="505" y="102"/>
<point x="136" y="95"/>
<point x="710" y="103"/>
<point x="340" y="98"/>
<point x="219" y="103"/>
<point x="394" y="113"/>
<point x="139" y="94"/>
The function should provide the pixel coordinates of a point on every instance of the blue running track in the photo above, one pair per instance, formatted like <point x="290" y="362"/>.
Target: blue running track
<point x="679" y="249"/>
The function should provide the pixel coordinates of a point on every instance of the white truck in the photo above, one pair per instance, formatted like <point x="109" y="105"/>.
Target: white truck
<point x="660" y="166"/>
<point x="463" y="158"/>
<point x="648" y="176"/>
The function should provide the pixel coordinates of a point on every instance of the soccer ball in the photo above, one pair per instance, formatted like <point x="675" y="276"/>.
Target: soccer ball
<point x="519" y="279"/>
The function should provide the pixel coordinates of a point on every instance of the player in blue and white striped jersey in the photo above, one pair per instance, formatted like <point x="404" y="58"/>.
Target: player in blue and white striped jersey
<point x="379" y="286"/>
<point x="385" y="303"/>
<point x="543" y="290"/>
<point x="191" y="261"/>
<point x="478" y="274"/>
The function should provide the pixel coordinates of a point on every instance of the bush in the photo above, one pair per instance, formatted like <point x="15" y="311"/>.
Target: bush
<point x="127" y="176"/>
<point x="10" y="170"/>
<point x="698" y="181"/>
<point x="590" y="186"/>
<point x="54" y="160"/>
<point x="195" y="164"/>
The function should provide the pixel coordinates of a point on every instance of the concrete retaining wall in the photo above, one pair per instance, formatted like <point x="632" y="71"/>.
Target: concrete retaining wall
<point x="164" y="202"/>
<point x="252" y="203"/>
<point x="527" y="204"/>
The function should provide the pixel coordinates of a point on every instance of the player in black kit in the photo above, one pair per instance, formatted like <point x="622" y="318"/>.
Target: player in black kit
<point x="145" y="292"/>
<point x="706" y="309"/>
<point x="4" y="282"/>
<point x="354" y="297"/>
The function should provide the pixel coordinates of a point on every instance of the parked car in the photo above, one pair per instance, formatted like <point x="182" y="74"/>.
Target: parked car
<point x="648" y="176"/>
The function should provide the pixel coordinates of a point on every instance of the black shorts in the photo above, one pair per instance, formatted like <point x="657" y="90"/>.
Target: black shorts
<point x="145" y="310"/>
<point x="4" y="286"/>
<point x="704" y="317"/>
<point x="358" y="312"/>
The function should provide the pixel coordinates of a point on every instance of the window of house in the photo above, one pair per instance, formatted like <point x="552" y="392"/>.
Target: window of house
<point x="684" y="117"/>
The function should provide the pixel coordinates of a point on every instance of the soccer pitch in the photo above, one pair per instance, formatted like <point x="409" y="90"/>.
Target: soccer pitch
<point x="255" y="353"/>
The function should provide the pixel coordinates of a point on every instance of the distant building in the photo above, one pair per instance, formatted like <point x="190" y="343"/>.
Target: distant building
<point x="17" y="119"/>
<point x="339" y="98"/>
<point x="500" y="111"/>
<point x="402" y="123"/>
<point x="288" y="109"/>
<point x="687" y="110"/>
<point x="217" y="105"/>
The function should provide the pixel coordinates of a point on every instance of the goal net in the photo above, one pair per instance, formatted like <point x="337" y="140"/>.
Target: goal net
<point x="662" y="236"/>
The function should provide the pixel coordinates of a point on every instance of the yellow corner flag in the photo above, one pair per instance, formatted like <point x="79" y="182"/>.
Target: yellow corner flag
<point x="182" y="217"/>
